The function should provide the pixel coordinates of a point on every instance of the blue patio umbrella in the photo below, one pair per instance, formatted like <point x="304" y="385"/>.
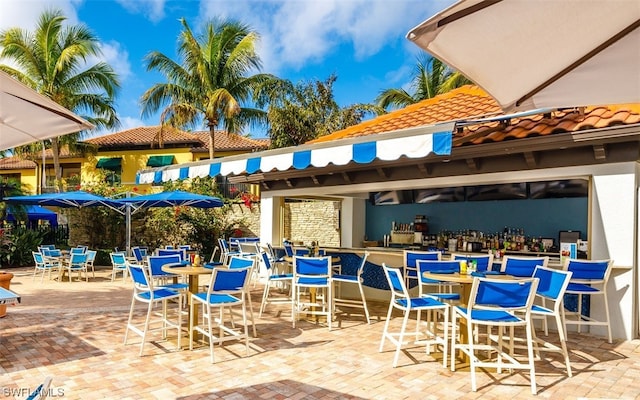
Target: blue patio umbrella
<point x="172" y="199"/>
<point x="35" y="213"/>
<point x="76" y="199"/>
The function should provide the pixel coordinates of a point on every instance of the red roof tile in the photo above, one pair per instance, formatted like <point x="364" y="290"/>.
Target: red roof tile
<point x="146" y="135"/>
<point x="16" y="163"/>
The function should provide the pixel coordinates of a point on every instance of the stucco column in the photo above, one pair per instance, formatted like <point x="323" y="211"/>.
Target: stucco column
<point x="270" y="219"/>
<point x="352" y="222"/>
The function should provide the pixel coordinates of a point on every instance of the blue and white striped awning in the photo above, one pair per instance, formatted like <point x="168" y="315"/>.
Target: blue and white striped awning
<point x="416" y="142"/>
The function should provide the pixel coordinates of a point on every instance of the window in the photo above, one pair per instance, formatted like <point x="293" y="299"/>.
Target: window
<point x="112" y="168"/>
<point x="160" y="161"/>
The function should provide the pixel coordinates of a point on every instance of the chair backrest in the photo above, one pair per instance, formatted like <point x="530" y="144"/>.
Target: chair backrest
<point x="78" y="258"/>
<point x="38" y="258"/>
<point x="169" y="247"/>
<point x="141" y="280"/>
<point x="229" y="280"/>
<point x="247" y="247"/>
<point x="118" y="259"/>
<point x="319" y="267"/>
<point x="55" y="253"/>
<point x="589" y="270"/>
<point x="173" y="252"/>
<point x="396" y="282"/>
<point x="77" y="250"/>
<point x="522" y="266"/>
<point x="411" y="256"/>
<point x="157" y="262"/>
<point x="505" y="294"/>
<point x="91" y="255"/>
<point x="266" y="260"/>
<point x="288" y="249"/>
<point x="437" y="266"/>
<point x="44" y="251"/>
<point x="224" y="246"/>
<point x="137" y="253"/>
<point x="240" y="262"/>
<point x="48" y="246"/>
<point x="185" y="246"/>
<point x="484" y="262"/>
<point x="84" y="248"/>
<point x="552" y="283"/>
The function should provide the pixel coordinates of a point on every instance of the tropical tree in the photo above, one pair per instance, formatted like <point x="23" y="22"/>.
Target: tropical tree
<point x="306" y="111"/>
<point x="54" y="61"/>
<point x="211" y="83"/>
<point x="431" y="77"/>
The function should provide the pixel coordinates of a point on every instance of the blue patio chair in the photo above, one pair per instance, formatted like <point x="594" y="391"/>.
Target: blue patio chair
<point x="352" y="280"/>
<point x="91" y="258"/>
<point x="119" y="264"/>
<point x="227" y="289"/>
<point x="589" y="278"/>
<point x="410" y="257"/>
<point x="137" y="254"/>
<point x="77" y="250"/>
<point x="312" y="274"/>
<point x="237" y="262"/>
<point x="403" y="302"/>
<point x="165" y="279"/>
<point x="145" y="292"/>
<point x="522" y="267"/>
<point x="225" y="251"/>
<point x="552" y="285"/>
<point x="77" y="263"/>
<point x="43" y="265"/>
<point x="171" y="252"/>
<point x="495" y="302"/>
<point x="274" y="277"/>
<point x="437" y="267"/>
<point x="42" y="391"/>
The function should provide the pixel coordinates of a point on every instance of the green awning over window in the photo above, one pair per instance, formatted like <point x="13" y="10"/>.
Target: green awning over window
<point x="112" y="164"/>
<point x="159" y="161"/>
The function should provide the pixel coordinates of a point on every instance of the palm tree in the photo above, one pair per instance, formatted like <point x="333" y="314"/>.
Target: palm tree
<point x="210" y="83"/>
<point x="430" y="78"/>
<point x="53" y="61"/>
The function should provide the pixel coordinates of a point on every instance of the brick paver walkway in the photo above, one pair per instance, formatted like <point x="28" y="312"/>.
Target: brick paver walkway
<point x="73" y="332"/>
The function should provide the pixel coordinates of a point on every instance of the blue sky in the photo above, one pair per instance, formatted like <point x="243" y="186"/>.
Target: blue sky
<point x="361" y="41"/>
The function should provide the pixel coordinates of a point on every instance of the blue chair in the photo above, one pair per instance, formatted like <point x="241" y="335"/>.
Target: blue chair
<point x="313" y="274"/>
<point x="522" y="267"/>
<point x="165" y="279"/>
<point x="225" y="251"/>
<point x="353" y="280"/>
<point x="42" y="391"/>
<point x="237" y="262"/>
<point x="400" y="300"/>
<point x="227" y="289"/>
<point x="43" y="264"/>
<point x="172" y="252"/>
<point x="411" y="268"/>
<point x="137" y="254"/>
<point x="484" y="262"/>
<point x="552" y="285"/>
<point x="77" y="263"/>
<point x="145" y="292"/>
<point x="442" y="267"/>
<point x="119" y="264"/>
<point x="502" y="303"/>
<point x="589" y="278"/>
<point x="77" y="250"/>
<point x="273" y="277"/>
<point x="288" y="249"/>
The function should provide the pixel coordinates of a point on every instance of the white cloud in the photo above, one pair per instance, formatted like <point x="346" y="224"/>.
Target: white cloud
<point x="118" y="58"/>
<point x="295" y="32"/>
<point x="153" y="9"/>
<point x="25" y="14"/>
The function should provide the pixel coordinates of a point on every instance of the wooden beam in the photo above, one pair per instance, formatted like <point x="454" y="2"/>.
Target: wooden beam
<point x="382" y="172"/>
<point x="599" y="152"/>
<point x="473" y="164"/>
<point x="315" y="180"/>
<point x="346" y="177"/>
<point x="531" y="158"/>
<point x="288" y="182"/>
<point x="425" y="168"/>
<point x="265" y="185"/>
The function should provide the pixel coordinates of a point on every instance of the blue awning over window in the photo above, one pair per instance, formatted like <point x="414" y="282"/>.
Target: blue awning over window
<point x="416" y="142"/>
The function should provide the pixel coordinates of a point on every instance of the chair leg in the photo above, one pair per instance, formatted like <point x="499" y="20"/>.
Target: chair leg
<point x="265" y="296"/>
<point x="563" y="344"/>
<point x="126" y="331"/>
<point x="364" y="304"/>
<point x="385" y="331"/>
<point x="405" y="319"/>
<point x="606" y="310"/>
<point x="532" y="365"/>
<point x="454" y="322"/>
<point x="146" y="327"/>
<point x="472" y="356"/>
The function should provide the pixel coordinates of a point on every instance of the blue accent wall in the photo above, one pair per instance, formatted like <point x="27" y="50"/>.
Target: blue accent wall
<point x="538" y="217"/>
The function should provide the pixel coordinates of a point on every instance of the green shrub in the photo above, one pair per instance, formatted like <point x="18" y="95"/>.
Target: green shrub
<point x="17" y="245"/>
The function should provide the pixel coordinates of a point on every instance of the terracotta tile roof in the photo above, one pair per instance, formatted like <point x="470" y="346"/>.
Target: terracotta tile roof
<point x="560" y="121"/>
<point x="465" y="102"/>
<point x="470" y="102"/>
<point x="16" y="163"/>
<point x="144" y="136"/>
<point x="230" y="142"/>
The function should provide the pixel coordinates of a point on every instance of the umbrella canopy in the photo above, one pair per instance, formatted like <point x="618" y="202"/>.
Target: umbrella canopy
<point x="35" y="213"/>
<point x="75" y="199"/>
<point x="541" y="54"/>
<point x="173" y="198"/>
<point x="26" y="116"/>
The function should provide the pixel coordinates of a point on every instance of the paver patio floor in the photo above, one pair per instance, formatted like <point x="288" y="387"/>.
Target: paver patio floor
<point x="74" y="333"/>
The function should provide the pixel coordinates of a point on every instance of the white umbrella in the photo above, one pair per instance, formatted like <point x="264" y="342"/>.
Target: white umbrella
<point x="26" y="116"/>
<point x="531" y="54"/>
